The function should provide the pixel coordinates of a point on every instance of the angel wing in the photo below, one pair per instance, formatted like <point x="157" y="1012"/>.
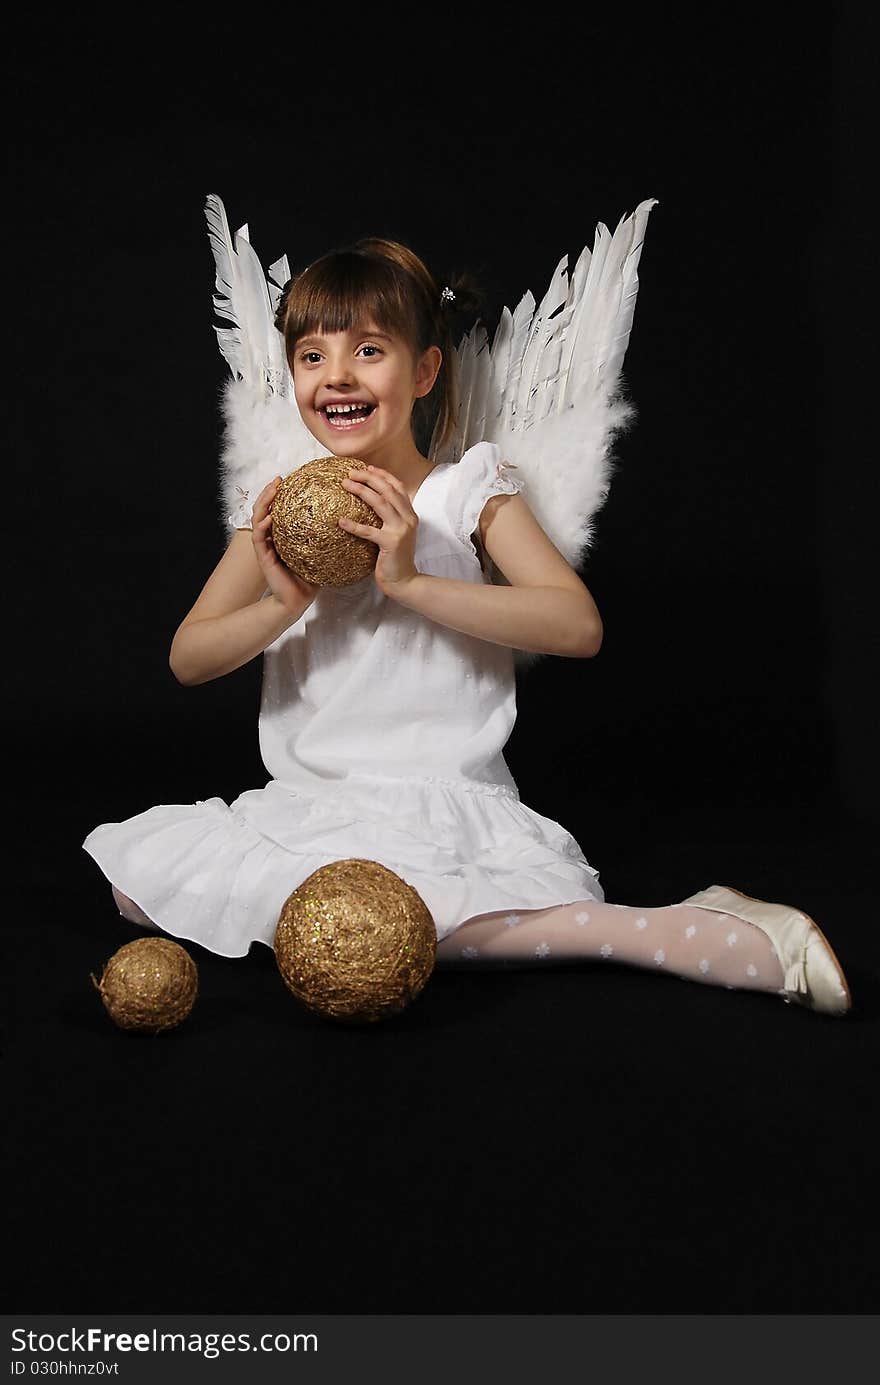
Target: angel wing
<point x="548" y="391"/>
<point x="264" y="432"/>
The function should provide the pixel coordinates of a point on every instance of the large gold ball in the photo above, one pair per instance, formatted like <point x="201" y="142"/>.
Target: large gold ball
<point x="355" y="943"/>
<point x="306" y="510"/>
<point x="150" y="984"/>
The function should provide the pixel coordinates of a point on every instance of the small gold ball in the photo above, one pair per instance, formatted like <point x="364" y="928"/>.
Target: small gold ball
<point x="306" y="510"/>
<point x="149" y="985"/>
<point x="355" y="943"/>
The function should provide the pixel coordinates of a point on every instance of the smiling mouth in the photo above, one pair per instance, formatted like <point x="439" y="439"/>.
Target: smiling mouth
<point x="352" y="418"/>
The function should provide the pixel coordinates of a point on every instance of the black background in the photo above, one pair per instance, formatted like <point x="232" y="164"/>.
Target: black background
<point x="591" y="1140"/>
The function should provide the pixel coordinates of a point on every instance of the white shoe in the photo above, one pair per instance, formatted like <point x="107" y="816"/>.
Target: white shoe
<point x="813" y="975"/>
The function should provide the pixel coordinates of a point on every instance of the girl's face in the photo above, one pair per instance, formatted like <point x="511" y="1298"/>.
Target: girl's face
<point x="367" y="368"/>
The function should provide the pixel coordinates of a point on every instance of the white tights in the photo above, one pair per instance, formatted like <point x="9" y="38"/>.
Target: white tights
<point x="684" y="939"/>
<point x="690" y="941"/>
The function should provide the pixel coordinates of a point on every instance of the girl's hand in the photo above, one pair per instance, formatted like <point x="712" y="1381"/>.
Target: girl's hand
<point x="395" y="565"/>
<point x="293" y="592"/>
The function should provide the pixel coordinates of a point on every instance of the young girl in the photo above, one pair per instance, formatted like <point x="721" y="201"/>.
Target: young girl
<point x="387" y="704"/>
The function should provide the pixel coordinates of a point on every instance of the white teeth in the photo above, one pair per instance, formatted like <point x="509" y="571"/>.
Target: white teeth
<point x="340" y="415"/>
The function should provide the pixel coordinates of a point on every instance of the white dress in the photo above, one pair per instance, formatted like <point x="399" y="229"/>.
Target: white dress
<point x="383" y="734"/>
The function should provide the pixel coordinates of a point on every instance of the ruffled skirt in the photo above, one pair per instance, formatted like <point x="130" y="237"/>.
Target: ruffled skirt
<point x="219" y="874"/>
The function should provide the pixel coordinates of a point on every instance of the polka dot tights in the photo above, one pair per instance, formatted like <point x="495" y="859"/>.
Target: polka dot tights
<point x="692" y="942"/>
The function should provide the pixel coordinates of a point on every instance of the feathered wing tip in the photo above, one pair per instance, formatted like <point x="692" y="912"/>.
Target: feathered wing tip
<point x="252" y="347"/>
<point x="233" y="347"/>
<point x="602" y="301"/>
<point x="277" y="277"/>
<point x="279" y="274"/>
<point x="241" y="297"/>
<point x="619" y="320"/>
<point x="264" y="434"/>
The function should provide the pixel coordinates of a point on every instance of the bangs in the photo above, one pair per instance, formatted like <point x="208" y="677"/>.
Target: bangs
<point x="343" y="291"/>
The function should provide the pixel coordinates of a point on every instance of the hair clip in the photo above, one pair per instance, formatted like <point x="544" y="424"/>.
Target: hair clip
<point x="447" y="296"/>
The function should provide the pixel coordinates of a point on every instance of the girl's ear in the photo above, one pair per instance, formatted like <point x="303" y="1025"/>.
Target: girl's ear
<point x="428" y="370"/>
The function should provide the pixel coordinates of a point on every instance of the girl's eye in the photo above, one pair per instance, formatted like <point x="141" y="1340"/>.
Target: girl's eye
<point x="368" y="346"/>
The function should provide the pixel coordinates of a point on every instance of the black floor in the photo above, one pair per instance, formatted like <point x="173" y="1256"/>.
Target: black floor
<point x="595" y="1139"/>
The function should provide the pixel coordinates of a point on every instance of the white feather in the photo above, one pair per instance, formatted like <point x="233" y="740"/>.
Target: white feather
<point x="512" y="374"/>
<point x="279" y="273"/>
<point x="232" y="344"/>
<point x="538" y="358"/>
<point x="264" y="434"/>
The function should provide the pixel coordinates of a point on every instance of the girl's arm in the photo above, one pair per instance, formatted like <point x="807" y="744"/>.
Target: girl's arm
<point x="547" y="609"/>
<point x="247" y="602"/>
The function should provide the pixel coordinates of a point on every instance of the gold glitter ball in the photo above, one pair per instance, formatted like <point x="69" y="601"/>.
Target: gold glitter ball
<point x="149" y="985"/>
<point x="355" y="943"/>
<point x="306" y="510"/>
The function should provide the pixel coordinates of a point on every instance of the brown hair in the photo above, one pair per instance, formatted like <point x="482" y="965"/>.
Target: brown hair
<point x="386" y="282"/>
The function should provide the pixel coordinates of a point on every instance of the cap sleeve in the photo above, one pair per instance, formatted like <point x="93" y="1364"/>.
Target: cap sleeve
<point x="481" y="473"/>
